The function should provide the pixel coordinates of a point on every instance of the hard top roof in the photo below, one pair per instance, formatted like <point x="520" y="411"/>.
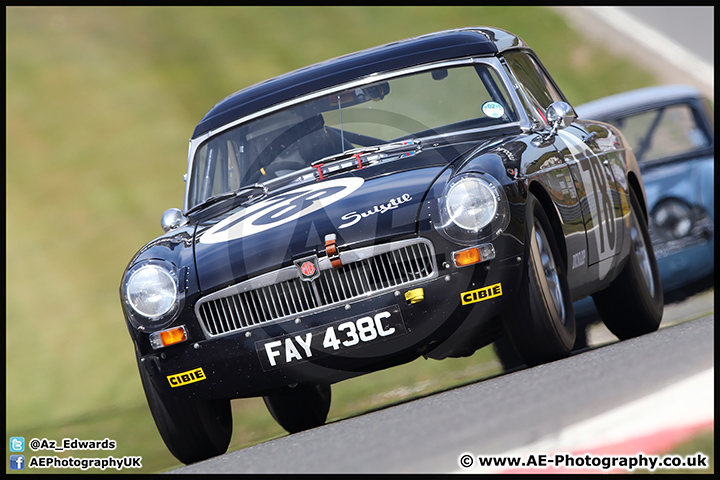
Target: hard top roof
<point x="428" y="48"/>
<point x="634" y="100"/>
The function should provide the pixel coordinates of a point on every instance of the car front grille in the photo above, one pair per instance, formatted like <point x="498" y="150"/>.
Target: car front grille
<point x="282" y="295"/>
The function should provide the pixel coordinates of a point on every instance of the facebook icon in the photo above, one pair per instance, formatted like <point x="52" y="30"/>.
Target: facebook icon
<point x="17" y="462"/>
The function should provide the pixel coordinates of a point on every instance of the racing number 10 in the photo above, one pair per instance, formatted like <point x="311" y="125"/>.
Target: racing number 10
<point x="604" y="213"/>
<point x="603" y="202"/>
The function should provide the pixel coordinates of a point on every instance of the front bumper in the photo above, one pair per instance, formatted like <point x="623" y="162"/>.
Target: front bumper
<point x="357" y="337"/>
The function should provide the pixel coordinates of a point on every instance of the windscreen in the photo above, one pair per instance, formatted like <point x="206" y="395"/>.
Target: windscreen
<point x="428" y="103"/>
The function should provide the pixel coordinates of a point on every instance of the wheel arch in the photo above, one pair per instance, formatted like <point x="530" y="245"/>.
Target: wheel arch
<point x="539" y="191"/>
<point x="634" y="184"/>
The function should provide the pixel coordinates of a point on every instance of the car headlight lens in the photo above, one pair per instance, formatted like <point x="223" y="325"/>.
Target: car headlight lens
<point x="672" y="219"/>
<point x="473" y="206"/>
<point x="150" y="290"/>
<point x="471" y="203"/>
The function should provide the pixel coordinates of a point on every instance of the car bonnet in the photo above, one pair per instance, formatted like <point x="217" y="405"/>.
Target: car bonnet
<point x="364" y="205"/>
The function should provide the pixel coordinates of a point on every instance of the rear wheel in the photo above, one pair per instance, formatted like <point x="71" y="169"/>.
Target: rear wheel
<point x="301" y="408"/>
<point x="633" y="303"/>
<point x="540" y="322"/>
<point x="191" y="430"/>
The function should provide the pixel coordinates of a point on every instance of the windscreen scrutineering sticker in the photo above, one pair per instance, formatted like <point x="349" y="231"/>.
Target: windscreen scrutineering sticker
<point x="493" y="109"/>
<point x="281" y="209"/>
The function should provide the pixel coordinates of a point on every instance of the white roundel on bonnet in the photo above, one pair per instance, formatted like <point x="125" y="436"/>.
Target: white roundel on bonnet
<point x="280" y="209"/>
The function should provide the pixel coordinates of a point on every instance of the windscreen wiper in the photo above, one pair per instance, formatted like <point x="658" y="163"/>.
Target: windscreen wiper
<point x="247" y="190"/>
<point x="360" y="157"/>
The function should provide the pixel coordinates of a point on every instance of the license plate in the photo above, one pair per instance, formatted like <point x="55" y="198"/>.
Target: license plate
<point x="333" y="338"/>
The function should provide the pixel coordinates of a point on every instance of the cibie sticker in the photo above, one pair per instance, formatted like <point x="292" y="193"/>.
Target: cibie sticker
<point x="493" y="109"/>
<point x="481" y="294"/>
<point x="280" y="209"/>
<point x="184" y="378"/>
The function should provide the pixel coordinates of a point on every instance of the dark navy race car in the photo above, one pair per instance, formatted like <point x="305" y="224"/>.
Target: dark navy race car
<point x="425" y="197"/>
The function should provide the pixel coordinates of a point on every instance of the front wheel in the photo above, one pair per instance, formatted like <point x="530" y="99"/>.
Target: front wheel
<point x="633" y="303"/>
<point x="541" y="322"/>
<point x="301" y="408"/>
<point x="191" y="430"/>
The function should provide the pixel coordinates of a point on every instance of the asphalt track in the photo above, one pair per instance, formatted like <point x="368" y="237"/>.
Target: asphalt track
<point x="490" y="417"/>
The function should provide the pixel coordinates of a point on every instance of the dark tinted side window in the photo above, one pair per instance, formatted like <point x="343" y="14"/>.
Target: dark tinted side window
<point x="538" y="88"/>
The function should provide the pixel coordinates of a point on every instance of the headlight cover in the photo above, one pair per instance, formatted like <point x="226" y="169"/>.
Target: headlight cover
<point x="473" y="207"/>
<point x="151" y="294"/>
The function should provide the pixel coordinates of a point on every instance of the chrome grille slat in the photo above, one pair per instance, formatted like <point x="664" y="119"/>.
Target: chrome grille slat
<point x="351" y="269"/>
<point x="232" y="302"/>
<point x="280" y="298"/>
<point x="300" y="296"/>
<point x="243" y="312"/>
<point x="368" y="286"/>
<point x="397" y="273"/>
<point x="269" y="310"/>
<point x="282" y="295"/>
<point x="342" y="282"/>
<point x="406" y="261"/>
<point x="213" y="309"/>
<point x="223" y="314"/>
<point x="258" y="311"/>
<point x="374" y="273"/>
<point x="289" y="299"/>
<point x="415" y="260"/>
<point x="244" y="308"/>
<point x="205" y="309"/>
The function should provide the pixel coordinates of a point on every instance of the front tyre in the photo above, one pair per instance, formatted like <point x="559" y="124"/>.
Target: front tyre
<point x="192" y="430"/>
<point x="301" y="408"/>
<point x="633" y="303"/>
<point x="541" y="322"/>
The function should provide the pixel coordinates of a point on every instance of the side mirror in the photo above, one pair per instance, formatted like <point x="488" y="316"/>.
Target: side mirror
<point x="171" y="219"/>
<point x="560" y="115"/>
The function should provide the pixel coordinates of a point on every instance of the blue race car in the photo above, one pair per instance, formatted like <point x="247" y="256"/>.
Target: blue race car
<point x="671" y="131"/>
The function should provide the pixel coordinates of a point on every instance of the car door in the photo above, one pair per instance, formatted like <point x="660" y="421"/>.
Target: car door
<point x="599" y="174"/>
<point x="591" y="162"/>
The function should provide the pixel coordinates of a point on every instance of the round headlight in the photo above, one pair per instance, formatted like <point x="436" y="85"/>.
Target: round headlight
<point x="471" y="203"/>
<point x="151" y="293"/>
<point x="473" y="207"/>
<point x="672" y="219"/>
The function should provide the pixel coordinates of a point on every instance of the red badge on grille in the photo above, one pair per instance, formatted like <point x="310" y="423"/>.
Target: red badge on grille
<point x="308" y="269"/>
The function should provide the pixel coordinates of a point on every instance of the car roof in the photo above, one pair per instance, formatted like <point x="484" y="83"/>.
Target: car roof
<point x="634" y="100"/>
<point x="432" y="47"/>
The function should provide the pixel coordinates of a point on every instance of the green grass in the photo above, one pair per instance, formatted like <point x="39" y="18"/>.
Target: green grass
<point x="702" y="443"/>
<point x="100" y="105"/>
<point x="134" y="430"/>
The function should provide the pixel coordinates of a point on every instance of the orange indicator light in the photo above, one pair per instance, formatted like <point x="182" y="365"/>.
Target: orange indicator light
<point x="168" y="337"/>
<point x="174" y="335"/>
<point x="467" y="257"/>
<point x="471" y="256"/>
